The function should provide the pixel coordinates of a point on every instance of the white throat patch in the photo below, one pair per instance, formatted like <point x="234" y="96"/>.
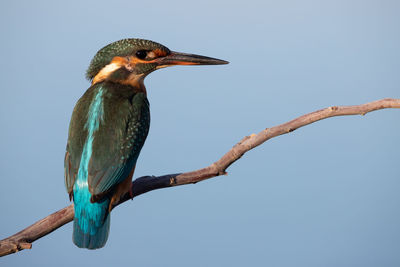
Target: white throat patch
<point x="105" y="72"/>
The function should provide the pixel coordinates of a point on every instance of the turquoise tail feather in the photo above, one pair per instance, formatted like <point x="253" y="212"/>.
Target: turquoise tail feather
<point x="91" y="224"/>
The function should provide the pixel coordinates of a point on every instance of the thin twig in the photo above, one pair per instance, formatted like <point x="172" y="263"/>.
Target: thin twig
<point x="23" y="239"/>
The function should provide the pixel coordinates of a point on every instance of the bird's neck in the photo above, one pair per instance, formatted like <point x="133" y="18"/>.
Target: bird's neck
<point x="135" y="81"/>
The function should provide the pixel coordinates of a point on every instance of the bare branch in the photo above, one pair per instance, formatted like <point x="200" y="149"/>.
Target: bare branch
<point x="22" y="240"/>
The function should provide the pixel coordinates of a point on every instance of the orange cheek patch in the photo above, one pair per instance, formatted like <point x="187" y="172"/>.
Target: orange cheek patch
<point x="119" y="61"/>
<point x="134" y="60"/>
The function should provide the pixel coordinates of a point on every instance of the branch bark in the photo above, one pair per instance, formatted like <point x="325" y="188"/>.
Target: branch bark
<point x="23" y="239"/>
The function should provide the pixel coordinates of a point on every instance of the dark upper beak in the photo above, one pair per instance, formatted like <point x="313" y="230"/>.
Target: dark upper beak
<point x="176" y="58"/>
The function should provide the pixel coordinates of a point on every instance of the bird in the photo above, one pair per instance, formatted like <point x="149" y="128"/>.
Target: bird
<point x="107" y="130"/>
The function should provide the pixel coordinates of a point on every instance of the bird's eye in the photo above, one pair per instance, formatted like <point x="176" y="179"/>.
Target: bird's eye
<point x="141" y="54"/>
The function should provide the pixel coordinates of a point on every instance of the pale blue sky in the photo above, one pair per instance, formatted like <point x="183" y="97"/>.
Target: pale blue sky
<point x="325" y="195"/>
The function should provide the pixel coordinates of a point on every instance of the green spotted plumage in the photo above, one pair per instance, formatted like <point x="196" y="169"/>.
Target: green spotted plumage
<point x="118" y="141"/>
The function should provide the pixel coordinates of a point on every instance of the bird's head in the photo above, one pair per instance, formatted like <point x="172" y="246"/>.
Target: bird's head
<point x="128" y="61"/>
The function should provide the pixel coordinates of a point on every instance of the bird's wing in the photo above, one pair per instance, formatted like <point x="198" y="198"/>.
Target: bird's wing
<point x="117" y="144"/>
<point x="76" y="139"/>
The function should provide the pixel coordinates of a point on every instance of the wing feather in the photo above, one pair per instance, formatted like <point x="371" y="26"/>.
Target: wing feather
<point x="118" y="144"/>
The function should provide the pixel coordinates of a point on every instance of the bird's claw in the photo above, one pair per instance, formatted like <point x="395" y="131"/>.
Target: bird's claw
<point x="130" y="193"/>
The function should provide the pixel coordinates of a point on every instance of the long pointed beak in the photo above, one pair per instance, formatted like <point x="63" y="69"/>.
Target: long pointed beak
<point x="176" y="58"/>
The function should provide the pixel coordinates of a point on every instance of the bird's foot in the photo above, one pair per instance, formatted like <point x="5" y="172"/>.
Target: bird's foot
<point x="130" y="193"/>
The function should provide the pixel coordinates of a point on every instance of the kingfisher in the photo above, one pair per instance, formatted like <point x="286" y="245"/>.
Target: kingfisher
<point x="108" y="128"/>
